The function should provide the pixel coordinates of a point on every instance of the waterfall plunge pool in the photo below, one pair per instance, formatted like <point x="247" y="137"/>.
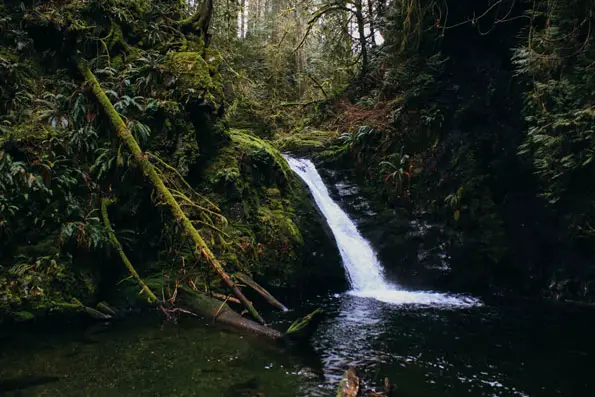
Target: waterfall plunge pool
<point x="499" y="349"/>
<point x="428" y="344"/>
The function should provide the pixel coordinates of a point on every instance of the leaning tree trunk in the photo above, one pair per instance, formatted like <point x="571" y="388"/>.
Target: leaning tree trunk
<point x="201" y="248"/>
<point x="112" y="235"/>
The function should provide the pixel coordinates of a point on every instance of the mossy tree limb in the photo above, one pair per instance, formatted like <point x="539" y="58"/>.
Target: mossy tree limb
<point x="142" y="160"/>
<point x="112" y="235"/>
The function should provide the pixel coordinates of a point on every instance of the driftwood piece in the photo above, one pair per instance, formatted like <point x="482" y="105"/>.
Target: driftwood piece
<point x="349" y="385"/>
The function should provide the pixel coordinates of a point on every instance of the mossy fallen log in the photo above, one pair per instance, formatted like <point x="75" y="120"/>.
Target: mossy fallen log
<point x="221" y="313"/>
<point x="142" y="160"/>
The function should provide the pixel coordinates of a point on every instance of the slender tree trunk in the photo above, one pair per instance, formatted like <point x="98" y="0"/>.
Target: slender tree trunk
<point x="243" y="19"/>
<point x="372" y="22"/>
<point x="361" y="28"/>
<point x="300" y="55"/>
<point x="142" y="160"/>
<point x="112" y="235"/>
<point x="232" y="16"/>
<point x="275" y="24"/>
<point x="380" y="13"/>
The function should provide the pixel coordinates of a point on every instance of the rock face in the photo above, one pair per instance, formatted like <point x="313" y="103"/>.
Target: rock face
<point x="410" y="247"/>
<point x="281" y="237"/>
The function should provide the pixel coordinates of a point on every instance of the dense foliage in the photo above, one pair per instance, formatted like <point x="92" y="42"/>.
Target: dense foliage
<point x="473" y="115"/>
<point x="60" y="158"/>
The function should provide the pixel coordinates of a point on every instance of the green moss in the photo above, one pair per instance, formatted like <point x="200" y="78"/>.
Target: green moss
<point x="332" y="154"/>
<point x="279" y="222"/>
<point x="271" y="215"/>
<point x="307" y="141"/>
<point x="259" y="148"/>
<point x="23" y="316"/>
<point x="31" y="286"/>
<point x="195" y="75"/>
<point x="25" y="130"/>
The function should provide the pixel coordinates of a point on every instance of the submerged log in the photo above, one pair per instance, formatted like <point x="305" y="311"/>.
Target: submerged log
<point x="387" y="387"/>
<point x="350" y="386"/>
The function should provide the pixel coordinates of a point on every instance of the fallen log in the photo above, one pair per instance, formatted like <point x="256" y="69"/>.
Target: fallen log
<point x="261" y="290"/>
<point x="221" y="313"/>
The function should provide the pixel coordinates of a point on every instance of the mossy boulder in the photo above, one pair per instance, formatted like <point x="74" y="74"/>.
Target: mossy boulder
<point x="280" y="237"/>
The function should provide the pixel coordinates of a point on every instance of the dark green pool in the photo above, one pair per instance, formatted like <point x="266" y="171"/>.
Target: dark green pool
<point x="500" y="349"/>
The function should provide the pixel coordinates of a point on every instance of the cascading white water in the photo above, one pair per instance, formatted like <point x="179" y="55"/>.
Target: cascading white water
<point x="359" y="259"/>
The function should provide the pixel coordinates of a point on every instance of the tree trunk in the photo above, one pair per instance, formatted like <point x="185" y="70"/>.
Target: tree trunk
<point x="372" y="22"/>
<point x="243" y="19"/>
<point x="112" y="235"/>
<point x="142" y="160"/>
<point x="361" y="28"/>
<point x="200" y="22"/>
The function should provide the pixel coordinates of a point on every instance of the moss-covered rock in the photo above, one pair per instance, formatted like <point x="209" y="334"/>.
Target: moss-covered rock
<point x="197" y="76"/>
<point x="279" y="233"/>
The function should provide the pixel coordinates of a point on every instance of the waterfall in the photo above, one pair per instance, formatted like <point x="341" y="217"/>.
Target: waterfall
<point x="363" y="269"/>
